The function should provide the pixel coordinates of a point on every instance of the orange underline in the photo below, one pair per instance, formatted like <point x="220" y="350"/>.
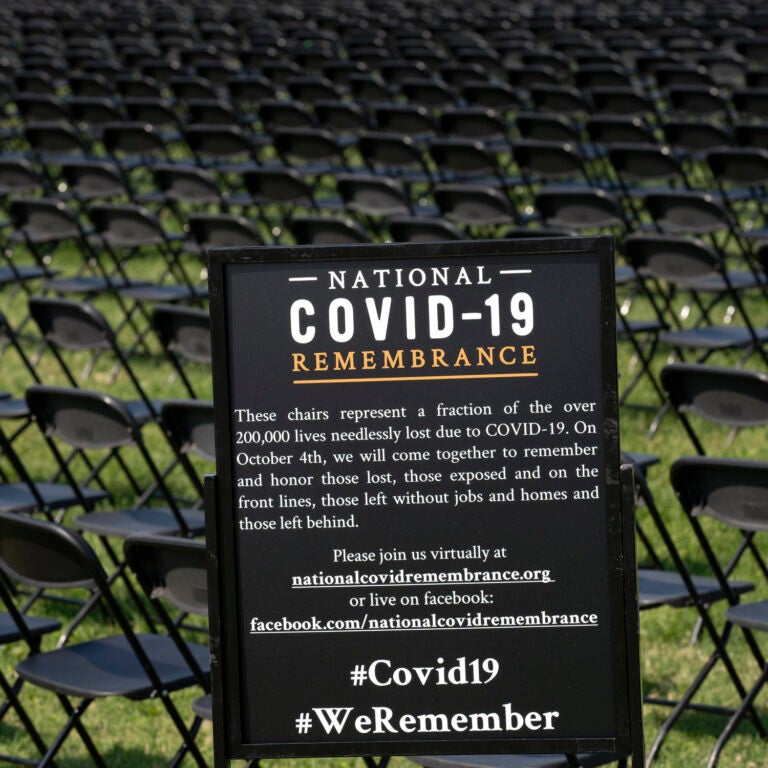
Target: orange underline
<point x="417" y="378"/>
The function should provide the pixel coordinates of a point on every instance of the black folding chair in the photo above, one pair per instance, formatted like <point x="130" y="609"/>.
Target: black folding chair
<point x="735" y="494"/>
<point x="173" y="576"/>
<point x="15" y="627"/>
<point x="185" y="335"/>
<point x="677" y="589"/>
<point x="76" y="326"/>
<point x="132" y="666"/>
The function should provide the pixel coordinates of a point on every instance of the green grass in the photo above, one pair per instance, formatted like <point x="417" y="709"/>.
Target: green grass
<point x="137" y="735"/>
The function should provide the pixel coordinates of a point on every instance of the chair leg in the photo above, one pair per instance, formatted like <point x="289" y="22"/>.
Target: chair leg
<point x="73" y="722"/>
<point x="737" y="717"/>
<point x="11" y="693"/>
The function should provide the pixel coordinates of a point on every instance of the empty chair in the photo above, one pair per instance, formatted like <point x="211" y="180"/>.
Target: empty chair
<point x="18" y="628"/>
<point x="729" y="493"/>
<point x="731" y="397"/>
<point x="668" y="264"/>
<point x="89" y="424"/>
<point x="173" y="575"/>
<point x="372" y="197"/>
<point x="190" y="430"/>
<point x="477" y="207"/>
<point x="136" y="667"/>
<point x="76" y="326"/>
<point x="185" y="336"/>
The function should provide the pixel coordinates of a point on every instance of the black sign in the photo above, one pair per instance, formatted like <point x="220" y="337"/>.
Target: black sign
<point x="418" y="522"/>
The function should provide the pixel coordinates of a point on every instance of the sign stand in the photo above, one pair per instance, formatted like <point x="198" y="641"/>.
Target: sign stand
<point x="420" y="541"/>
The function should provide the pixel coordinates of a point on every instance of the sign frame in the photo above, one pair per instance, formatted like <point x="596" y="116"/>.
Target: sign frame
<point x="221" y="535"/>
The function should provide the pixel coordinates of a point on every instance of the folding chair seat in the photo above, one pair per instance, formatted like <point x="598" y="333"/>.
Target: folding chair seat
<point x="478" y="207"/>
<point x="321" y="230"/>
<point x="695" y="137"/>
<point x="68" y="326"/>
<point x="185" y="336"/>
<point x="559" y="99"/>
<point x="394" y="71"/>
<point x="697" y="213"/>
<point x="754" y="78"/>
<point x="134" y="667"/>
<point x="422" y="229"/>
<point x="750" y="135"/>
<point x="369" y="87"/>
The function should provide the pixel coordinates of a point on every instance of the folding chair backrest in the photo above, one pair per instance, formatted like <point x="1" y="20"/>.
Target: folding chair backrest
<point x="732" y="397"/>
<point x="184" y="330"/>
<point x="671" y="258"/>
<point x="68" y="324"/>
<point x="190" y="425"/>
<point x="733" y="491"/>
<point x="172" y="569"/>
<point x="46" y="555"/>
<point x="81" y="418"/>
